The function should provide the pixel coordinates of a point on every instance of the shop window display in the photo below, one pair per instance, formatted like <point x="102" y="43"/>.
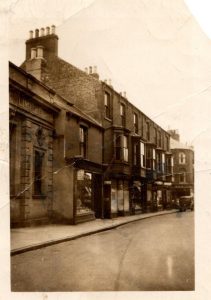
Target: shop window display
<point x="84" y="192"/>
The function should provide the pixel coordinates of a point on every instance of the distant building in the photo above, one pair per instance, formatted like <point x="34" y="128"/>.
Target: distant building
<point x="79" y="149"/>
<point x="183" y="167"/>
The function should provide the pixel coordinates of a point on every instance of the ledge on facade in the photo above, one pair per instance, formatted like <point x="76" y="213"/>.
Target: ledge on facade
<point x="83" y="163"/>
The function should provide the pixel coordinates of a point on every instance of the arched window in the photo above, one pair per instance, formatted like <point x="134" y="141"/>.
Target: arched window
<point x="182" y="158"/>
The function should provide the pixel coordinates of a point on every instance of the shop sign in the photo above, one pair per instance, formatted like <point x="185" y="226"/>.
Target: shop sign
<point x="167" y="183"/>
<point x="80" y="175"/>
<point x="159" y="182"/>
<point x="107" y="182"/>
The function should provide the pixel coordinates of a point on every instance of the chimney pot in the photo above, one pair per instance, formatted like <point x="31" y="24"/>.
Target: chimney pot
<point x="86" y="70"/>
<point x="36" y="33"/>
<point x="90" y="70"/>
<point x="124" y="94"/>
<point x="40" y="51"/>
<point x="47" y="30"/>
<point x="53" y="29"/>
<point x="33" y="53"/>
<point x="42" y="31"/>
<point x="31" y="34"/>
<point x="95" y="69"/>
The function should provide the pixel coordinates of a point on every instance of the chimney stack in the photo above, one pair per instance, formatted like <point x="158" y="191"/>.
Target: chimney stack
<point x="90" y="70"/>
<point x="43" y="38"/>
<point x="53" y="29"/>
<point x="36" y="33"/>
<point x="47" y="30"/>
<point x="109" y="82"/>
<point x="124" y="94"/>
<point x="40" y="51"/>
<point x="42" y="31"/>
<point x="33" y="53"/>
<point x="31" y="34"/>
<point x="86" y="70"/>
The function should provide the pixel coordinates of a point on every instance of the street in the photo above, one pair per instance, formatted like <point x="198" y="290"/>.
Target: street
<point x="154" y="254"/>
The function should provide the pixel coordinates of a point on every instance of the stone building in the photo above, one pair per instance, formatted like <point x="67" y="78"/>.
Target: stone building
<point x="55" y="156"/>
<point x="183" y="167"/>
<point x="136" y="153"/>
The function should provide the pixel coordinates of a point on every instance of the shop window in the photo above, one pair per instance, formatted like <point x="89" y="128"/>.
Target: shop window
<point x="121" y="148"/>
<point x="142" y="154"/>
<point x="107" y="105"/>
<point x="122" y="114"/>
<point x="135" y="122"/>
<point x="83" y="141"/>
<point x="182" y="158"/>
<point x="38" y="172"/>
<point x="84" y="193"/>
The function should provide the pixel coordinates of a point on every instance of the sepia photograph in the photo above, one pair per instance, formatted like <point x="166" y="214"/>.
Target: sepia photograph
<point x="109" y="109"/>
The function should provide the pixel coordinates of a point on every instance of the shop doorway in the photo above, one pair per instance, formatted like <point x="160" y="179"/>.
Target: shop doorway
<point x="107" y="201"/>
<point x="97" y="195"/>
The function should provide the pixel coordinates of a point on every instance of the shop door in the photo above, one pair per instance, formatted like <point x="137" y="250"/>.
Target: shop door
<point x="97" y="195"/>
<point x="107" y="200"/>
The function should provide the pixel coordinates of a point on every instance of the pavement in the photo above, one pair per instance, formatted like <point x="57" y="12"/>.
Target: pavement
<point x="32" y="238"/>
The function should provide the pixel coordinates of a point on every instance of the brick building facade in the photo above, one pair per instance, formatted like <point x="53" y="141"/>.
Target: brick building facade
<point x="183" y="167"/>
<point x="101" y="156"/>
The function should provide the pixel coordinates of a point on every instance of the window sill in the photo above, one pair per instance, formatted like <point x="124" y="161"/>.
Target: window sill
<point x="108" y="119"/>
<point x="38" y="197"/>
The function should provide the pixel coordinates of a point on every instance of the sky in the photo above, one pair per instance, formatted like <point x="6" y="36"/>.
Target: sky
<point x="158" y="51"/>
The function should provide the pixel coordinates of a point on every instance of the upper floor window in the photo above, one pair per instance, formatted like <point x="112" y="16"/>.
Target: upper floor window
<point x="159" y="139"/>
<point x="148" y="131"/>
<point x="150" y="158"/>
<point x="182" y="176"/>
<point x="142" y="154"/>
<point x="135" y="122"/>
<point x="107" y="105"/>
<point x="136" y="158"/>
<point x="155" y="135"/>
<point x="121" y="152"/>
<point x="83" y="140"/>
<point x="159" y="161"/>
<point x="38" y="172"/>
<point x="182" y="158"/>
<point x="122" y="114"/>
<point x="167" y="143"/>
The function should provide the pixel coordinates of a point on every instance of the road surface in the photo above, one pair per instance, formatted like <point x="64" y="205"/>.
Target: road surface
<point x="154" y="254"/>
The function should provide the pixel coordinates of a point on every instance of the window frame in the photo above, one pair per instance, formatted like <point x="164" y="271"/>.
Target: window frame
<point x="83" y="132"/>
<point x="107" y="105"/>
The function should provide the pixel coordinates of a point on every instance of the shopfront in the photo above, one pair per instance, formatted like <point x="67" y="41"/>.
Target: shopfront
<point x="87" y="192"/>
<point x="116" y="198"/>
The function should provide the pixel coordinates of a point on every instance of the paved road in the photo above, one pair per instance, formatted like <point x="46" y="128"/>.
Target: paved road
<point x="147" y="255"/>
